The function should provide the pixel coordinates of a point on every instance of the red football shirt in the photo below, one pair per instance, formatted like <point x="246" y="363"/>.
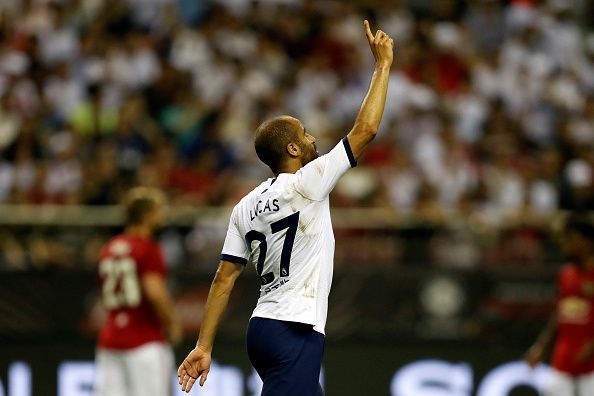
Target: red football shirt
<point x="575" y="312"/>
<point x="131" y="320"/>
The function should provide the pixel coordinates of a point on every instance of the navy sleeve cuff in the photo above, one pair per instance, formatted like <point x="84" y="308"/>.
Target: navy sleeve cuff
<point x="233" y="259"/>
<point x="347" y="148"/>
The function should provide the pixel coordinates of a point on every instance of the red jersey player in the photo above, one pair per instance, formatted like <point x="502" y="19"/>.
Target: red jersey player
<point x="572" y="325"/>
<point x="133" y="355"/>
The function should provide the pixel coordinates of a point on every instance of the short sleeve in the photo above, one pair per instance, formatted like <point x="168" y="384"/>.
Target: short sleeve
<point x="153" y="261"/>
<point x="235" y="248"/>
<point x="316" y="180"/>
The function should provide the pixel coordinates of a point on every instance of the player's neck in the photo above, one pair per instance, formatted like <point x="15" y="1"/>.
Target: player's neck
<point x="139" y="231"/>
<point x="289" y="167"/>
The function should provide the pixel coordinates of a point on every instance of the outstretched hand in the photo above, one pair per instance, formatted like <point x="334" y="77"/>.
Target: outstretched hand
<point x="195" y="365"/>
<point x="382" y="46"/>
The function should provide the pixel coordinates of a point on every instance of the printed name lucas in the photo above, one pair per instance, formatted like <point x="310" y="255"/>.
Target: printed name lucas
<point x="258" y="209"/>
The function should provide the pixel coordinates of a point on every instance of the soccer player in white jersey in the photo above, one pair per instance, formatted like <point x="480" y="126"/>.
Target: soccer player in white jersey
<point x="283" y="227"/>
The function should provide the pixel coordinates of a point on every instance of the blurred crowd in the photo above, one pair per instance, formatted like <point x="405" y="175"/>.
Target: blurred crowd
<point x="490" y="110"/>
<point x="491" y="103"/>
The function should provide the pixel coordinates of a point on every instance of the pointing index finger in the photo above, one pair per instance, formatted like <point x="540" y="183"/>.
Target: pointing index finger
<point x="368" y="31"/>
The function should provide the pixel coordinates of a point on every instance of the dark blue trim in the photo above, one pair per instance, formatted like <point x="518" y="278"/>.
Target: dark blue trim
<point x="347" y="148"/>
<point x="271" y="183"/>
<point x="233" y="259"/>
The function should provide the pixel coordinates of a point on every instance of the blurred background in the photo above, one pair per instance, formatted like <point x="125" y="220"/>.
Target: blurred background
<point x="446" y="248"/>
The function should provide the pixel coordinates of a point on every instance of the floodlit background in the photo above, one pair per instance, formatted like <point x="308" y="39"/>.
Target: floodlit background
<point x="446" y="231"/>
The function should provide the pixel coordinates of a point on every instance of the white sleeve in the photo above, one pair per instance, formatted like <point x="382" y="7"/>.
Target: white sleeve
<point x="316" y="180"/>
<point x="235" y="249"/>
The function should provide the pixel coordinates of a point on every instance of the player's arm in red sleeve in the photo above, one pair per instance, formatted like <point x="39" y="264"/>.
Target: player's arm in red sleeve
<point x="543" y="343"/>
<point x="155" y="290"/>
<point x="586" y="351"/>
<point x="197" y="363"/>
<point x="154" y="286"/>
<point x="370" y="115"/>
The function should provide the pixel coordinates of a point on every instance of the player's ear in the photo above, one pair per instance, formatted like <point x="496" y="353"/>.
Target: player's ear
<point x="294" y="150"/>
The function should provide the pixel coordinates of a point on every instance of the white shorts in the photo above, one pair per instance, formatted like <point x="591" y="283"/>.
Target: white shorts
<point x="562" y="384"/>
<point x="143" y="371"/>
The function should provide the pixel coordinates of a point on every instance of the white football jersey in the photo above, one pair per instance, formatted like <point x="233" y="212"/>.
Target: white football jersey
<point x="283" y="226"/>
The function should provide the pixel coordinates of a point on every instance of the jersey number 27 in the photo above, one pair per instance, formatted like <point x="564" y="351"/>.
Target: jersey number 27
<point x="289" y="223"/>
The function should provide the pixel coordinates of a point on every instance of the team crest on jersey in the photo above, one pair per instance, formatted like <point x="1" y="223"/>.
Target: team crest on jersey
<point x="120" y="248"/>
<point x="588" y="289"/>
<point x="573" y="310"/>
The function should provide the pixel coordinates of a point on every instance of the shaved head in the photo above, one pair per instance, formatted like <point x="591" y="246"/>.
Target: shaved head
<point x="272" y="138"/>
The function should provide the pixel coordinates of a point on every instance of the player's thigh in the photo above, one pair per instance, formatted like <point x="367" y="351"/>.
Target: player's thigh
<point x="309" y="361"/>
<point x="150" y="369"/>
<point x="560" y="384"/>
<point x="585" y="384"/>
<point x="110" y="374"/>
<point x="269" y="344"/>
<point x="298" y="373"/>
<point x="272" y="343"/>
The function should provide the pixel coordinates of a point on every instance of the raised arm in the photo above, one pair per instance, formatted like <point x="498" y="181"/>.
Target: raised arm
<point x="370" y="115"/>
<point x="197" y="363"/>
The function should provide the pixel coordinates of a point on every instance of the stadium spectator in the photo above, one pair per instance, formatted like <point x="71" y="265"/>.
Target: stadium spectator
<point x="491" y="108"/>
